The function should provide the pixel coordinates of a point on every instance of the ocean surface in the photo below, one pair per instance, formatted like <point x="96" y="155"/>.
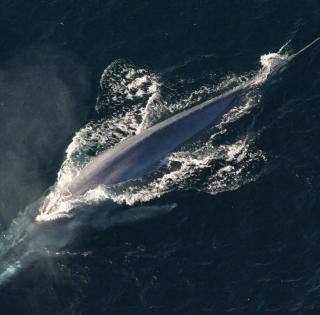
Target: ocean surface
<point x="229" y="223"/>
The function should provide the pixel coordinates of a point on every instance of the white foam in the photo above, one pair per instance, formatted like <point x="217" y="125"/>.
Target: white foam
<point x="270" y="62"/>
<point x="122" y="82"/>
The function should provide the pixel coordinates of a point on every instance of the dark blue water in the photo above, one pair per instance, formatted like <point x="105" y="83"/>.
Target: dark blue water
<point x="251" y="247"/>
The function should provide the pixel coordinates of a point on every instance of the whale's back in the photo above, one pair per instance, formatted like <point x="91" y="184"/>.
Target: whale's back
<point x="136" y="155"/>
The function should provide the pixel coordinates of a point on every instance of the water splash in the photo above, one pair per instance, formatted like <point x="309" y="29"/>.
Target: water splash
<point x="139" y="92"/>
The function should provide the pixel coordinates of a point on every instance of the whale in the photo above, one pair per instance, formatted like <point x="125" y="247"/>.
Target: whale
<point x="139" y="154"/>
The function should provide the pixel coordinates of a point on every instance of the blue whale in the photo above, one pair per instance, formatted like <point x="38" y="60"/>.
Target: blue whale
<point x="137" y="155"/>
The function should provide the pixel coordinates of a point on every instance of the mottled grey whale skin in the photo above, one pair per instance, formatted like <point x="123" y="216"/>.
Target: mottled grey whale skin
<point x="136" y="155"/>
